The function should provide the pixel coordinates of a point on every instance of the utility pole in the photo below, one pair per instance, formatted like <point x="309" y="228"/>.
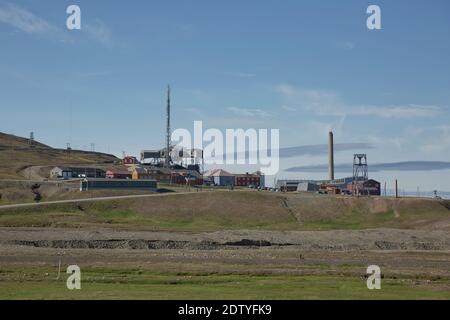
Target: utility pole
<point x="167" y="155"/>
<point x="68" y="149"/>
<point x="31" y="140"/>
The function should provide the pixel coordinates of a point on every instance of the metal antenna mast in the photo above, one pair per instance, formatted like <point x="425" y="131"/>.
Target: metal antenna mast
<point x="167" y="162"/>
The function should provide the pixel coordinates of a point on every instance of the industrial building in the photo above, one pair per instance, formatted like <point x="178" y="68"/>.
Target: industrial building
<point x="337" y="186"/>
<point x="366" y="188"/>
<point x="358" y="184"/>
<point x="293" y="185"/>
<point x="90" y="184"/>
<point x="76" y="172"/>
<point x="307" y="187"/>
<point x="169" y="164"/>
<point x="170" y="176"/>
<point x="288" y="185"/>
<point x="118" y="174"/>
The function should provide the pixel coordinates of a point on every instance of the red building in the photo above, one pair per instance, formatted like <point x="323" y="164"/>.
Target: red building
<point x="129" y="160"/>
<point x="116" y="174"/>
<point x="370" y="187"/>
<point x="245" y="180"/>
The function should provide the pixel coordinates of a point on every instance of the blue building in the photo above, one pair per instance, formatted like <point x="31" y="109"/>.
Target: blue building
<point x="220" y="177"/>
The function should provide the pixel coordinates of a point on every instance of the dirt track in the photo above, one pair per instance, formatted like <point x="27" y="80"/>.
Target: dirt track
<point x="96" y="199"/>
<point x="348" y="240"/>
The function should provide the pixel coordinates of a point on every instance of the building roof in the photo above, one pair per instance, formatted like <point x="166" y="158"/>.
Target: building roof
<point x="247" y="175"/>
<point x="77" y="168"/>
<point x="210" y="172"/>
<point x="184" y="172"/>
<point x="372" y="181"/>
<point x="115" y="171"/>
<point x="115" y="180"/>
<point x="153" y="170"/>
<point x="221" y="173"/>
<point x="141" y="170"/>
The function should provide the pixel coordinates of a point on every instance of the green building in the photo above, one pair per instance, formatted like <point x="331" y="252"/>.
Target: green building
<point x="90" y="184"/>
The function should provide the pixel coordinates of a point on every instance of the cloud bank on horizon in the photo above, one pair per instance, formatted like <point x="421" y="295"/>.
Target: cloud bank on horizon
<point x="321" y="149"/>
<point x="379" y="167"/>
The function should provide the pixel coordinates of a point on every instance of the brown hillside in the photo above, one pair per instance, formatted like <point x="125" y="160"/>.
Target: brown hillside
<point x="8" y="141"/>
<point x="16" y="155"/>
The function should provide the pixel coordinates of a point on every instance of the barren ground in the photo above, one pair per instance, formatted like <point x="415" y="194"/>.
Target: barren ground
<point x="229" y="245"/>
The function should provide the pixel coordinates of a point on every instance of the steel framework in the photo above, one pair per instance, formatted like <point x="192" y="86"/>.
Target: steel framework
<point x="360" y="173"/>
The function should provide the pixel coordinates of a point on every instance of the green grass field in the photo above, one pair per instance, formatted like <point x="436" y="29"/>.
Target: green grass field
<point x="221" y="210"/>
<point x="225" y="210"/>
<point x="137" y="284"/>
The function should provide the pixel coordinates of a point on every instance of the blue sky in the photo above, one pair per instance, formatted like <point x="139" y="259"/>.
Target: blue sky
<point x="301" y="66"/>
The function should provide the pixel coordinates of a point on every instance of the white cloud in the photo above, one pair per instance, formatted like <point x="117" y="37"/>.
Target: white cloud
<point x="23" y="20"/>
<point x="321" y="102"/>
<point x="411" y="131"/>
<point x="409" y="111"/>
<point x="309" y="95"/>
<point x="439" y="140"/>
<point x="248" y="112"/>
<point x="346" y="45"/>
<point x="288" y="108"/>
<point x="195" y="111"/>
<point x="317" y="101"/>
<point x="98" y="31"/>
<point x="323" y="128"/>
<point x="201" y="95"/>
<point x="241" y="74"/>
<point x="93" y="74"/>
